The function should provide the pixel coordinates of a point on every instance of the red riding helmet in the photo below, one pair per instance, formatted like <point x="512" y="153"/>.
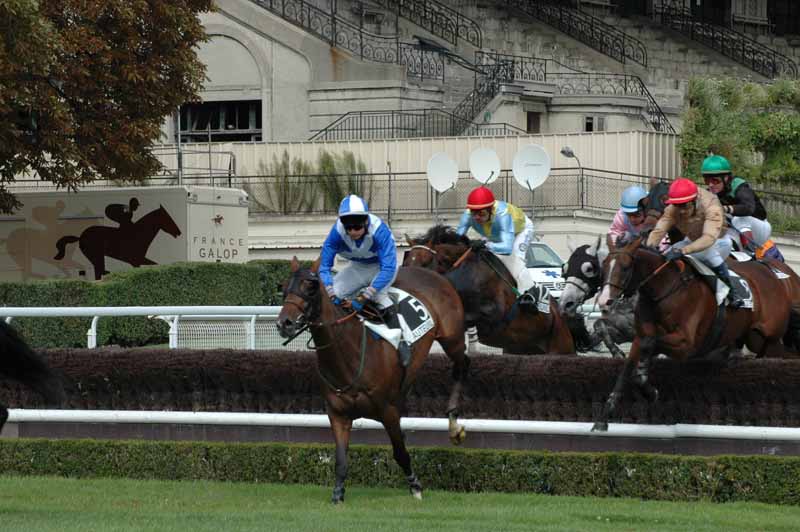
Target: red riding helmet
<point x="682" y="190"/>
<point x="480" y="198"/>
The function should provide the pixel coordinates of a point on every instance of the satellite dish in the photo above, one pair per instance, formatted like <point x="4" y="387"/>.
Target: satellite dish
<point x="484" y="165"/>
<point x="442" y="172"/>
<point x="531" y="166"/>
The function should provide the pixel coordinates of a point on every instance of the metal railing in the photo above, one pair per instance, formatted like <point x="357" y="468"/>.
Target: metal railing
<point x="392" y="124"/>
<point x="419" y="62"/>
<point x="585" y="28"/>
<point x="730" y="43"/>
<point x="438" y="19"/>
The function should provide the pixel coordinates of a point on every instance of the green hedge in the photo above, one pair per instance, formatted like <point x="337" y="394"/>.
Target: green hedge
<point x="190" y="284"/>
<point x="767" y="479"/>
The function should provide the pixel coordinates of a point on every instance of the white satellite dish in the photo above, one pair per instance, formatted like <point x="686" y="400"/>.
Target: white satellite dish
<point x="531" y="166"/>
<point x="484" y="165"/>
<point x="442" y="172"/>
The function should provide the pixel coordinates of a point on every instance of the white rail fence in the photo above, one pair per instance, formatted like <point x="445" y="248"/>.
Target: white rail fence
<point x="225" y="327"/>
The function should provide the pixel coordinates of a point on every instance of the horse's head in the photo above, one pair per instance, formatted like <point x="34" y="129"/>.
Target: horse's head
<point x="627" y="269"/>
<point x="438" y="249"/>
<point x="301" y="299"/>
<point x="583" y="276"/>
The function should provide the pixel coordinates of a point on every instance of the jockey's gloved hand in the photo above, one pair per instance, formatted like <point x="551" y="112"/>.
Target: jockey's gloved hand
<point x="336" y="301"/>
<point x="357" y="304"/>
<point x="477" y="245"/>
<point x="369" y="293"/>
<point x="673" y="254"/>
<point x="329" y="290"/>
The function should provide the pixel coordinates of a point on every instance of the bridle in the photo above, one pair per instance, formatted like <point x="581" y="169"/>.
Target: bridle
<point x="433" y="252"/>
<point x="627" y="291"/>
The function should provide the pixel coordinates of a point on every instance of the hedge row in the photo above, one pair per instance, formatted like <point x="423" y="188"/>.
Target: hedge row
<point x="191" y="284"/>
<point x="767" y="479"/>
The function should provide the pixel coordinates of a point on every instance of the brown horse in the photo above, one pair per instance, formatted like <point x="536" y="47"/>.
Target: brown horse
<point x="487" y="291"/>
<point x="677" y="313"/>
<point x="362" y="376"/>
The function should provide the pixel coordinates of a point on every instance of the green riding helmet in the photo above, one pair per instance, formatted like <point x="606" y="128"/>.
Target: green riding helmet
<point x="715" y="165"/>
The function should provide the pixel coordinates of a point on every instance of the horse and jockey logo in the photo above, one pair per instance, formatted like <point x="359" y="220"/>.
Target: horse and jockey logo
<point x="128" y="243"/>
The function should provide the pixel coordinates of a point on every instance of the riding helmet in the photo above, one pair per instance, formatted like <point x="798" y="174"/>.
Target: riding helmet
<point x="682" y="190"/>
<point x="480" y="198"/>
<point x="715" y="165"/>
<point x="631" y="197"/>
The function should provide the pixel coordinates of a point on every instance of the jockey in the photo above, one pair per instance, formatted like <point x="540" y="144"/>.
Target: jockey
<point x="630" y="218"/>
<point x="698" y="215"/>
<point x="748" y="216"/>
<point x="509" y="233"/>
<point x="367" y="242"/>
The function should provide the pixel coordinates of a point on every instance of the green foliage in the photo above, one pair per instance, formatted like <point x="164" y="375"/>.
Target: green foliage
<point x="755" y="126"/>
<point x="340" y="175"/>
<point x="179" y="284"/>
<point x="287" y="190"/>
<point x="85" y="86"/>
<point x="767" y="479"/>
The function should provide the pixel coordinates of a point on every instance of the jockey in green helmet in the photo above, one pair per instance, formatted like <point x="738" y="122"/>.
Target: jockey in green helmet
<point x="748" y="215"/>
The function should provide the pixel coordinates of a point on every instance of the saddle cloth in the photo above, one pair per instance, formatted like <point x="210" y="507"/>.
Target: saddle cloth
<point x="414" y="318"/>
<point x="721" y="289"/>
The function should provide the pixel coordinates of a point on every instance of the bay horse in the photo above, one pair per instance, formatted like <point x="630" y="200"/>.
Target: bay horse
<point x="677" y="315"/>
<point x="361" y="375"/>
<point x="20" y="363"/>
<point x="127" y="243"/>
<point x="487" y="291"/>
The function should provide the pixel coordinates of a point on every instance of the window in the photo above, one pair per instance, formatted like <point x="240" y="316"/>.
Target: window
<point x="534" y="122"/>
<point x="223" y="121"/>
<point x="542" y="256"/>
<point x="594" y="123"/>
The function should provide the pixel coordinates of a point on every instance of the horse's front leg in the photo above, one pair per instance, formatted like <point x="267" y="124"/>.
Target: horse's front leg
<point x="341" y="435"/>
<point x="631" y="362"/>
<point x="460" y="371"/>
<point x="391" y="421"/>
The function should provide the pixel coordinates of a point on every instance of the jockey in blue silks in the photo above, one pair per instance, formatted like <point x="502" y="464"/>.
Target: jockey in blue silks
<point x="367" y="242"/>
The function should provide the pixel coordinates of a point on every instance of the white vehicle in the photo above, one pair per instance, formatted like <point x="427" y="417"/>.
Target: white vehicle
<point x="545" y="267"/>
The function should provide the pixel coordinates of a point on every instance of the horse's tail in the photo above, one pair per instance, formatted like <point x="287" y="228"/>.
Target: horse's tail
<point x="62" y="244"/>
<point x="22" y="364"/>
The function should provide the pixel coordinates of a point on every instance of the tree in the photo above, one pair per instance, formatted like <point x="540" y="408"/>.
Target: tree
<point x="85" y="86"/>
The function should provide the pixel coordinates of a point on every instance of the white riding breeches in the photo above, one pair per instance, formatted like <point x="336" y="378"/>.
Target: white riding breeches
<point x="761" y="229"/>
<point x="523" y="240"/>
<point x="355" y="276"/>
<point x="516" y="266"/>
<point x="714" y="255"/>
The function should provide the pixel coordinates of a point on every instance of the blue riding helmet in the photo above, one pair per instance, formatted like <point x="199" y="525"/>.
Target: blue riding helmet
<point x="353" y="205"/>
<point x="631" y="197"/>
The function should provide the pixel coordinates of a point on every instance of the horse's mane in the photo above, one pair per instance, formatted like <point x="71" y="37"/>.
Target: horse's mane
<point x="441" y="234"/>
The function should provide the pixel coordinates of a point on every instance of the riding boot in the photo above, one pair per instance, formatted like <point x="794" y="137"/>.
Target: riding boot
<point x="393" y="322"/>
<point x="735" y="295"/>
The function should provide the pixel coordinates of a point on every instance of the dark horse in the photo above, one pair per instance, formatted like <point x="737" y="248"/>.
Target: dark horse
<point x="487" y="291"/>
<point x="128" y="244"/>
<point x="19" y="362"/>
<point x="677" y="313"/>
<point x="583" y="275"/>
<point x="361" y="375"/>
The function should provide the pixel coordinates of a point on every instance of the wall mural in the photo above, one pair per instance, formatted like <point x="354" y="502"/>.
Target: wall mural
<point x="127" y="243"/>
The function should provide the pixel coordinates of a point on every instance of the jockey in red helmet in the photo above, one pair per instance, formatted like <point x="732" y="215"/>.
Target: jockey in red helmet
<point x="698" y="214"/>
<point x="508" y="232"/>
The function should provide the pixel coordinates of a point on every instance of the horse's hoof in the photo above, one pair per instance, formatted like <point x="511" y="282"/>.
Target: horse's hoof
<point x="459" y="437"/>
<point x="417" y="494"/>
<point x="600" y="426"/>
<point x="338" y="496"/>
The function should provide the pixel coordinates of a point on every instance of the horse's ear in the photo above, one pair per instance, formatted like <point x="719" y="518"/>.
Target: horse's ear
<point x="570" y="244"/>
<point x="315" y="265"/>
<point x="294" y="265"/>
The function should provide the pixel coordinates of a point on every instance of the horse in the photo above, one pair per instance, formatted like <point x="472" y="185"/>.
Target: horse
<point x="583" y="275"/>
<point x="677" y="313"/>
<point x="128" y="243"/>
<point x="362" y="376"/>
<point x="19" y="362"/>
<point x="488" y="293"/>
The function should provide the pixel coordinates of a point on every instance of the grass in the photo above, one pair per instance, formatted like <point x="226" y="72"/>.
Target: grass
<point x="50" y="504"/>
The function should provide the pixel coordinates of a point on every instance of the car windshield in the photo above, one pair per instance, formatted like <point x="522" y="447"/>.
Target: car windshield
<point x="542" y="256"/>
